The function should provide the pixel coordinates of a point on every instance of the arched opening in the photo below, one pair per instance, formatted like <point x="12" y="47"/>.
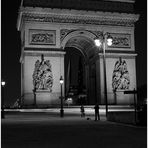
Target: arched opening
<point x="75" y="75"/>
<point x="80" y="71"/>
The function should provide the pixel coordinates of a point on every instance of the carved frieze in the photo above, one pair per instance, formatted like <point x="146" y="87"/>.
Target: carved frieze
<point x="120" y="40"/>
<point x="77" y="20"/>
<point x="42" y="37"/>
<point x="54" y="15"/>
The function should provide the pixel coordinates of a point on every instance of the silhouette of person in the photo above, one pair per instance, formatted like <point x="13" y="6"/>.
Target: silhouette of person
<point x="82" y="111"/>
<point x="97" y="112"/>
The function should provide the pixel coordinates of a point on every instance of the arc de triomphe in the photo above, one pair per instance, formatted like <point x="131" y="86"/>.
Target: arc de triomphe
<point x="47" y="32"/>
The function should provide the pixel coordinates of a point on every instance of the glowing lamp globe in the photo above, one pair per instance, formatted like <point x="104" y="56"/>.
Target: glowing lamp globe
<point x="3" y="83"/>
<point x="97" y="42"/>
<point x="61" y="80"/>
<point x="109" y="41"/>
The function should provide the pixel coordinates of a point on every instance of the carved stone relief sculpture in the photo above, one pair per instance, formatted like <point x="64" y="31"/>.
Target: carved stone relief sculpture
<point x="42" y="37"/>
<point x="120" y="77"/>
<point x="42" y="75"/>
<point x="120" y="40"/>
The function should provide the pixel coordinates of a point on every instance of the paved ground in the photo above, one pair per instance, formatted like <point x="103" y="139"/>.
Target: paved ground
<point x="48" y="130"/>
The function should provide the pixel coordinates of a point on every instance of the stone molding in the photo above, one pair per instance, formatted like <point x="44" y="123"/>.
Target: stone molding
<point x="45" y="52"/>
<point x="75" y="17"/>
<point x="38" y="53"/>
<point x="126" y="55"/>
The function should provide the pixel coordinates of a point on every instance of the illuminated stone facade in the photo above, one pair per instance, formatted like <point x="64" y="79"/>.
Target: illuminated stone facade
<point x="47" y="32"/>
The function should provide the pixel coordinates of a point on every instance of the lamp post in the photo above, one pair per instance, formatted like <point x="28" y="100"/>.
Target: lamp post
<point x="34" y="92"/>
<point x="102" y="41"/>
<point x="3" y="83"/>
<point x="62" y="110"/>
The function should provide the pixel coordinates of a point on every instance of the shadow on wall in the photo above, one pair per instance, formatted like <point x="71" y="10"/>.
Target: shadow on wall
<point x="142" y="94"/>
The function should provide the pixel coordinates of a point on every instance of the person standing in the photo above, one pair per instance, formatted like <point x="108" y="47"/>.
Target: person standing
<point x="97" y="117"/>
<point x="82" y="111"/>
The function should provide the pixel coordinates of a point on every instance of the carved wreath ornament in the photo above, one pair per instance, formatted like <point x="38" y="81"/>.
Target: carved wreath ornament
<point x="120" y="78"/>
<point x="42" y="76"/>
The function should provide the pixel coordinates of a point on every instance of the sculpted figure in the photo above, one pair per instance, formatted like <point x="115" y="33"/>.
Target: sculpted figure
<point x="42" y="76"/>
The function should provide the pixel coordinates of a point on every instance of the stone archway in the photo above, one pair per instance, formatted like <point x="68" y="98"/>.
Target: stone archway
<point x="84" y="43"/>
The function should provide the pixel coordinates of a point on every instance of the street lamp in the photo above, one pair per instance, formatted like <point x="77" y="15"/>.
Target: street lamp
<point x="101" y="41"/>
<point x="3" y="83"/>
<point x="34" y="92"/>
<point x="62" y="110"/>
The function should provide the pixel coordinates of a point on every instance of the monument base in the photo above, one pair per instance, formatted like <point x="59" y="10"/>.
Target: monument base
<point x="45" y="97"/>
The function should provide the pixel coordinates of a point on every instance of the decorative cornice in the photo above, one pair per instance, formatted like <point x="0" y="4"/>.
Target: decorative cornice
<point x="76" y="16"/>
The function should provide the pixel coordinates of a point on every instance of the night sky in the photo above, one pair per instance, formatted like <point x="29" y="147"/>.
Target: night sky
<point x="10" y="48"/>
<point x="10" y="53"/>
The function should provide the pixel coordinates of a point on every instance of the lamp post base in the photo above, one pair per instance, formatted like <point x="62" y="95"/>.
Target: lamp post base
<point x="62" y="113"/>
